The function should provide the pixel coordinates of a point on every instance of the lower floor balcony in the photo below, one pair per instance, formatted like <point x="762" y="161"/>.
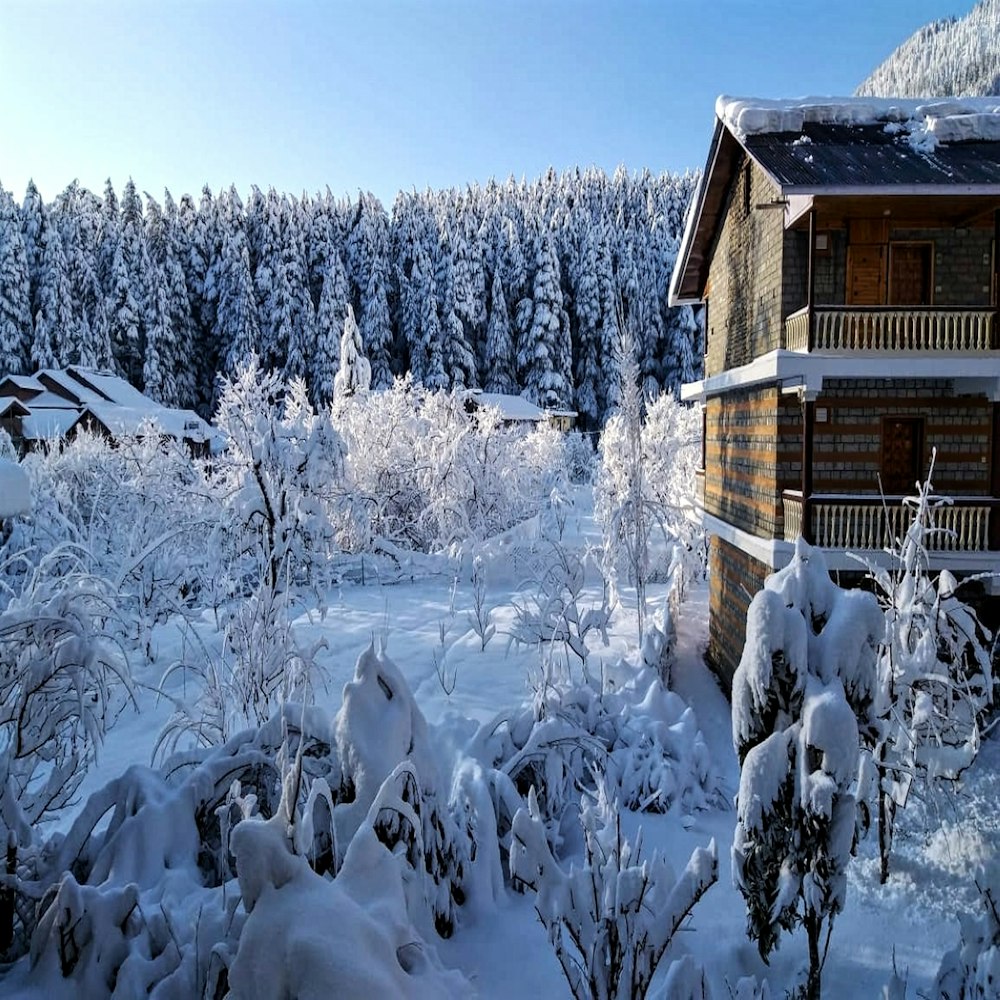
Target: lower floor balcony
<point x="860" y="523"/>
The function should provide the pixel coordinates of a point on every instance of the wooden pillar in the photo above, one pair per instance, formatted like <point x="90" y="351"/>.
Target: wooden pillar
<point x="994" y="525"/>
<point x="811" y="274"/>
<point x="808" y="419"/>
<point x="994" y="336"/>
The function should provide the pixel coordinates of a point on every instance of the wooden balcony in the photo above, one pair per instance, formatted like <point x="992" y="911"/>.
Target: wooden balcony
<point x="967" y="524"/>
<point x="891" y="329"/>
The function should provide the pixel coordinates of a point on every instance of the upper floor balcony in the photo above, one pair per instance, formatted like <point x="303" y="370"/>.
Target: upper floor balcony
<point x="838" y="329"/>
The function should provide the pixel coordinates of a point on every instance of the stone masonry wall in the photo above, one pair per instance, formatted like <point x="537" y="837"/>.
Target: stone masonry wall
<point x="847" y="445"/>
<point x="735" y="578"/>
<point x="744" y="283"/>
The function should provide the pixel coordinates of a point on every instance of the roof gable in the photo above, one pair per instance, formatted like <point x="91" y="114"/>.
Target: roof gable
<point x="834" y="146"/>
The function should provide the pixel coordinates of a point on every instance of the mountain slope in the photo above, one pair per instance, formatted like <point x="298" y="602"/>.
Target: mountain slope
<point x="944" y="58"/>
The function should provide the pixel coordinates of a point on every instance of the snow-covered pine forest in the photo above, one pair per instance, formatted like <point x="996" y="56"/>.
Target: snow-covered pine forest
<point x="510" y="287"/>
<point x="946" y="58"/>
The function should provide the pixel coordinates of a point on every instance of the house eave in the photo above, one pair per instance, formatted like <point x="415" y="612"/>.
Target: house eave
<point x="793" y="370"/>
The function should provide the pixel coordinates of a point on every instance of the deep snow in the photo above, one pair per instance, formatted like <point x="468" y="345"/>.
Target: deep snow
<point x="504" y="953"/>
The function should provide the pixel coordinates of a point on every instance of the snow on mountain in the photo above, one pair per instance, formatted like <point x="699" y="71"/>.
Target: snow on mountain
<point x="944" y="58"/>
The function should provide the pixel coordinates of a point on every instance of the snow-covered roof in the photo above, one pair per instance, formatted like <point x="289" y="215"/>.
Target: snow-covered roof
<point x="924" y="122"/>
<point x="15" y="494"/>
<point x="840" y="146"/>
<point x="130" y="419"/>
<point x="42" y="425"/>
<point x="63" y="396"/>
<point x="11" y="404"/>
<point x="510" y="407"/>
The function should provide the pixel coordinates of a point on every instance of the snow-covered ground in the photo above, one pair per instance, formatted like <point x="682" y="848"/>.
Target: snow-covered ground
<point x="457" y="685"/>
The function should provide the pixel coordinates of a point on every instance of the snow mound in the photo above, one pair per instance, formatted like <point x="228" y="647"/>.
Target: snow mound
<point x="15" y="495"/>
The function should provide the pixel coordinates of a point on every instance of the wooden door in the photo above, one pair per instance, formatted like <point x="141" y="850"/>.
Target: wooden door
<point x="910" y="274"/>
<point x="902" y="440"/>
<point x="866" y="275"/>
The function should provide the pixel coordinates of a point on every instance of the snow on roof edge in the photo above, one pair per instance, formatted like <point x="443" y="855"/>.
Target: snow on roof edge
<point x="927" y="121"/>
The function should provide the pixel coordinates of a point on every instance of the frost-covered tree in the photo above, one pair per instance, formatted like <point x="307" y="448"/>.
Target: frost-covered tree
<point x="355" y="373"/>
<point x="499" y="364"/>
<point x="334" y="301"/>
<point x="542" y="356"/>
<point x="15" y="292"/>
<point x="805" y="683"/>
<point x="935" y="675"/>
<point x="56" y="332"/>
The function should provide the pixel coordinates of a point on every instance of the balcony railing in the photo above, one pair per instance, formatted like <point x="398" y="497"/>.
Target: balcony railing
<point x="841" y="522"/>
<point x="891" y="329"/>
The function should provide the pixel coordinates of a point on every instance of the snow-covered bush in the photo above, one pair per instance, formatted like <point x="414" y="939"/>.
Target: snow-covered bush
<point x="805" y="682"/>
<point x="971" y="971"/>
<point x="278" y="476"/>
<point x="645" y="495"/>
<point x="63" y="682"/>
<point x="935" y="676"/>
<point x="378" y="730"/>
<point x="611" y="920"/>
<point x="425" y="474"/>
<point x="644" y="739"/>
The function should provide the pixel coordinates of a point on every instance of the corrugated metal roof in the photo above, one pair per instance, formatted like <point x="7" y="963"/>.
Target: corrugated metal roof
<point x="837" y="156"/>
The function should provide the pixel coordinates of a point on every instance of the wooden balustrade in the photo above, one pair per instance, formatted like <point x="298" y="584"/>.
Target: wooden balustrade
<point x="861" y="523"/>
<point x="903" y="329"/>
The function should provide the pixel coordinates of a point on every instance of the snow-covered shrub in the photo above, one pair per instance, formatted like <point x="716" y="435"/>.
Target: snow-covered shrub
<point x="377" y="730"/>
<point x="137" y="511"/>
<point x="645" y="495"/>
<point x="971" y="971"/>
<point x="611" y="920"/>
<point x="63" y="682"/>
<point x="262" y="664"/>
<point x="643" y="738"/>
<point x="553" y="613"/>
<point x="425" y="474"/>
<point x="278" y="476"/>
<point x="935" y="676"/>
<point x="804" y="683"/>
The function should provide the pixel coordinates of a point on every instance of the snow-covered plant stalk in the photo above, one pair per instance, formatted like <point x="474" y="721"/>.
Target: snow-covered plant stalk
<point x="611" y="920"/>
<point x="935" y="675"/>
<point x="480" y="615"/>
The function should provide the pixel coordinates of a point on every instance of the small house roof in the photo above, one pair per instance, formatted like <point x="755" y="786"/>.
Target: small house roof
<point x="12" y="405"/>
<point x="514" y="408"/>
<point x="840" y="146"/>
<point x="45" y="424"/>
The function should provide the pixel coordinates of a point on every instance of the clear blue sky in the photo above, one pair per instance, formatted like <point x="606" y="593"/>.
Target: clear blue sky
<point x="388" y="95"/>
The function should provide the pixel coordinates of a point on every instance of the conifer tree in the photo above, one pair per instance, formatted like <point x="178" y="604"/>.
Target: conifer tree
<point x="333" y="303"/>
<point x="355" y="373"/>
<point x="56" y="337"/>
<point x="499" y="369"/>
<point x="542" y="358"/>
<point x="15" y="292"/>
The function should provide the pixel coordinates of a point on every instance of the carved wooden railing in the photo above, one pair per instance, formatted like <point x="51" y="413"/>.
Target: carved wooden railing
<point x="891" y="329"/>
<point x="837" y="522"/>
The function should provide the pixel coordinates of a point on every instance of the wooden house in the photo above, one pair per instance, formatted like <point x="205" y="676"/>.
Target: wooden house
<point x="845" y="253"/>
<point x="53" y="403"/>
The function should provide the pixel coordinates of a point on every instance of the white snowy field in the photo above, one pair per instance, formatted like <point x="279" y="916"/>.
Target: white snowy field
<point x="502" y="952"/>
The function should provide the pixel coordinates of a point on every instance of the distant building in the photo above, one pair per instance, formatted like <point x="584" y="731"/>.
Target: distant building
<point x="846" y="254"/>
<point x="518" y="410"/>
<point x="54" y="403"/>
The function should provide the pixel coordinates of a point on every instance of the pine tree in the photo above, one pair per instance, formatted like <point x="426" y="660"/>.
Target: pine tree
<point x="236" y="327"/>
<point x="56" y="337"/>
<point x="15" y="292"/>
<point x="157" y="370"/>
<point x="499" y="370"/>
<point x="543" y="357"/>
<point x="333" y="304"/>
<point x="355" y="373"/>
